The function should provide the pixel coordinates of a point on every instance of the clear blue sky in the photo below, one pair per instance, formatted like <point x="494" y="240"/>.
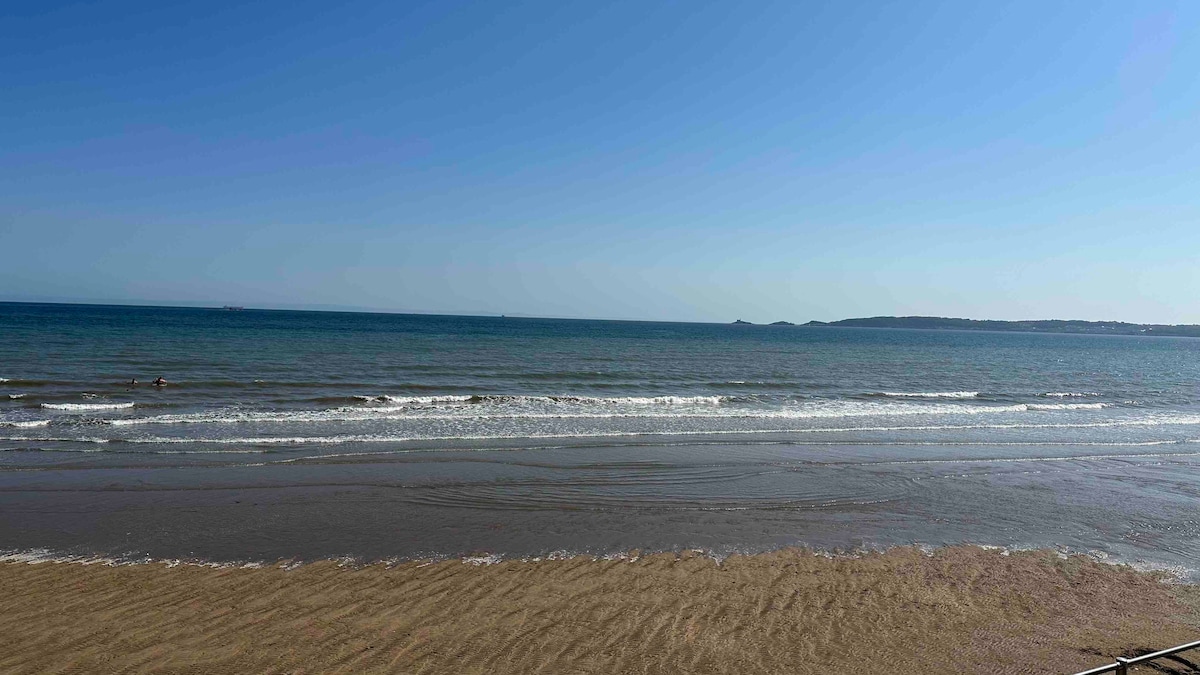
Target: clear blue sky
<point x="669" y="160"/>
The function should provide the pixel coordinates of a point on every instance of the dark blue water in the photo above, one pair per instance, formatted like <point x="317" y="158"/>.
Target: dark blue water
<point x="308" y="433"/>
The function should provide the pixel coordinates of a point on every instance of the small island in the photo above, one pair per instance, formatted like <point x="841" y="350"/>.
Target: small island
<point x="782" y="323"/>
<point x="739" y="322"/>
<point x="1042" y="326"/>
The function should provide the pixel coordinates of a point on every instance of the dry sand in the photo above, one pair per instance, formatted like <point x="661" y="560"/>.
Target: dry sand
<point x="962" y="609"/>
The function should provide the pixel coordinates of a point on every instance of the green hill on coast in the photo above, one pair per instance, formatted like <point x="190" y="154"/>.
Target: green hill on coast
<point x="1045" y="326"/>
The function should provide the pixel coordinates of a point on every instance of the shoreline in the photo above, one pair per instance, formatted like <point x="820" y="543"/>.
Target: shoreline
<point x="1168" y="574"/>
<point x="952" y="609"/>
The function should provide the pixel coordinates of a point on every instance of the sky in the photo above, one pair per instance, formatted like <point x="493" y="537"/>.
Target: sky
<point x="646" y="160"/>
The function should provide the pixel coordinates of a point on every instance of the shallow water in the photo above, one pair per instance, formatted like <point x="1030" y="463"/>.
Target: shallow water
<point x="287" y="434"/>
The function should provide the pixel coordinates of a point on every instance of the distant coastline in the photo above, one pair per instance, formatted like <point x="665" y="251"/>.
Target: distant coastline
<point x="911" y="322"/>
<point x="1041" y="326"/>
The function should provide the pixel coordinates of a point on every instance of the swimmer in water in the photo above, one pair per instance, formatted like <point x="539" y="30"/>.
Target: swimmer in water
<point x="160" y="381"/>
<point x="133" y="382"/>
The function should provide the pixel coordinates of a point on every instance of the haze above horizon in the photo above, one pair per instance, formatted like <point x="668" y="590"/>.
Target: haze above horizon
<point x="650" y="160"/>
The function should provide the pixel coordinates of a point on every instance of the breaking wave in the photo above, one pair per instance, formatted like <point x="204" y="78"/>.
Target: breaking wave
<point x="482" y="408"/>
<point x="466" y="413"/>
<point x="85" y="407"/>
<point x="394" y="438"/>
<point x="931" y="394"/>
<point x="1065" y="406"/>
<point x="561" y="400"/>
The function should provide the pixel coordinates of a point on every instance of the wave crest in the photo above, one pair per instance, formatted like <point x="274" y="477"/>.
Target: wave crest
<point x="484" y="399"/>
<point x="84" y="407"/>
<point x="1065" y="406"/>
<point x="931" y="394"/>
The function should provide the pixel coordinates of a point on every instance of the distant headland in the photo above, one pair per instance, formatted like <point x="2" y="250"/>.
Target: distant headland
<point x="739" y="322"/>
<point x="1045" y="326"/>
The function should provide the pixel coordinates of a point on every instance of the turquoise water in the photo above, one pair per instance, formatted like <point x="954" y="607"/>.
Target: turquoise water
<point x="639" y="431"/>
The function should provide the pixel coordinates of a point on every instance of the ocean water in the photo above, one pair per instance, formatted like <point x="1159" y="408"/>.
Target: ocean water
<point x="303" y="434"/>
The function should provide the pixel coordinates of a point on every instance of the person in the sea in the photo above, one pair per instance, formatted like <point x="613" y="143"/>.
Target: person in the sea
<point x="160" y="381"/>
<point x="133" y="382"/>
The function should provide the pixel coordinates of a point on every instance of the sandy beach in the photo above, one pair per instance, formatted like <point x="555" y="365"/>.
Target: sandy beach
<point x="959" y="609"/>
<point x="829" y="338"/>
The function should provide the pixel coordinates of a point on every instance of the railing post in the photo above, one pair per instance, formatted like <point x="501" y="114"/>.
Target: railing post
<point x="1122" y="666"/>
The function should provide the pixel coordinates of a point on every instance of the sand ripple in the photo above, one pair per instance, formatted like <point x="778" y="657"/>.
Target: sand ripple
<point x="958" y="610"/>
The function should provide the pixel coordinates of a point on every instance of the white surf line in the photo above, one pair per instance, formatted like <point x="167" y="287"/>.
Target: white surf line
<point x="1175" y="573"/>
<point x="366" y="438"/>
<point x="85" y="407"/>
<point x="374" y="414"/>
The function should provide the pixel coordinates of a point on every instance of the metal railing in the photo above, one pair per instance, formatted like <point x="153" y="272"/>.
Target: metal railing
<point x="1121" y="667"/>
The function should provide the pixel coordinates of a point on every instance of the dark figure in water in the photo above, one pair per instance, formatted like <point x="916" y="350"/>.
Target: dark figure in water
<point x="159" y="382"/>
<point x="133" y="382"/>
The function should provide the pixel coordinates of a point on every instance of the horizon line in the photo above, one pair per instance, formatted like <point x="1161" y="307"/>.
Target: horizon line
<point x="350" y="309"/>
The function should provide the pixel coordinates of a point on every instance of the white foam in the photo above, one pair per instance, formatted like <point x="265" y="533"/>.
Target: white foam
<point x="483" y="560"/>
<point x="386" y="438"/>
<point x="35" y="439"/>
<point x="564" y="400"/>
<point x="26" y="424"/>
<point x="16" y="396"/>
<point x="35" y="556"/>
<point x="547" y="408"/>
<point x="1176" y="574"/>
<point x="932" y="394"/>
<point x="1171" y="573"/>
<point x="1070" y="394"/>
<point x="237" y="451"/>
<point x="633" y="401"/>
<point x="416" y="400"/>
<point x="1065" y="406"/>
<point x="483" y="434"/>
<point x="669" y="400"/>
<point x="87" y="406"/>
<point x="39" y="556"/>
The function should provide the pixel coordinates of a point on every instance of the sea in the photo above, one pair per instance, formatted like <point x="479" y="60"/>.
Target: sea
<point x="288" y="435"/>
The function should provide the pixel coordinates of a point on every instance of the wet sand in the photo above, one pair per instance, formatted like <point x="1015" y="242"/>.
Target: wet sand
<point x="961" y="609"/>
